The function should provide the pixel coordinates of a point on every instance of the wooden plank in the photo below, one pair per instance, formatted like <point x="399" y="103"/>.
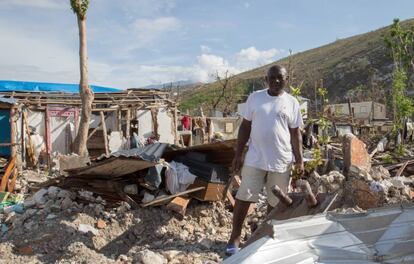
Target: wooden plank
<point x="12" y="183"/>
<point x="169" y="197"/>
<point x="30" y="145"/>
<point x="402" y="168"/>
<point x="12" y="132"/>
<point x="105" y="134"/>
<point x="179" y="205"/>
<point x="9" y="169"/>
<point x="128" y="128"/>
<point x="392" y="167"/>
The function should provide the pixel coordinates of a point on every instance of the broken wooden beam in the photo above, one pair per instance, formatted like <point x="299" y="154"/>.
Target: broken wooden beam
<point x="169" y="197"/>
<point x="105" y="134"/>
<point x="9" y="170"/>
<point x="179" y="205"/>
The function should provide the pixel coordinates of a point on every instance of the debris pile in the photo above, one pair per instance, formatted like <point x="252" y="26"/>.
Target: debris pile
<point x="88" y="232"/>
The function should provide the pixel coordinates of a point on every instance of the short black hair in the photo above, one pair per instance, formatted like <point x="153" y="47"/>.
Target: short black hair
<point x="276" y="69"/>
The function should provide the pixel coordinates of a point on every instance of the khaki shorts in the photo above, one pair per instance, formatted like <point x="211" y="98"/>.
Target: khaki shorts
<point x="253" y="180"/>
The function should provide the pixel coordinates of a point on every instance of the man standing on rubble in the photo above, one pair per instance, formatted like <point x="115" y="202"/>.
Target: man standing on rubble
<point x="272" y="121"/>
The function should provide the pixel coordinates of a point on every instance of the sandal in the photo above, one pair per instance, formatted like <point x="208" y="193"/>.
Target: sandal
<point x="231" y="250"/>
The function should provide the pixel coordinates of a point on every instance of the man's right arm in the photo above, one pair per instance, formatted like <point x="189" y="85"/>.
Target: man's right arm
<point x="242" y="138"/>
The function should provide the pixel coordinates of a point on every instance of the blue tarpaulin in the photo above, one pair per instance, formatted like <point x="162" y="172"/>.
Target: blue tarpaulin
<point x="18" y="86"/>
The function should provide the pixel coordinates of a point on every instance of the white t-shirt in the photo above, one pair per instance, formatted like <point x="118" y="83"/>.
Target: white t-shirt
<point x="271" y="116"/>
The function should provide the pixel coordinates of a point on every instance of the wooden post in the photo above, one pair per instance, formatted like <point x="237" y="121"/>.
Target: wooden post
<point x="176" y="138"/>
<point x="120" y="121"/>
<point x="105" y="135"/>
<point x="351" y="115"/>
<point x="128" y="128"/>
<point x="47" y="136"/>
<point x="12" y="132"/>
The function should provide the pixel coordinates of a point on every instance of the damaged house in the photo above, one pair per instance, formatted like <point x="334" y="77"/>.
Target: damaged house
<point x="121" y="119"/>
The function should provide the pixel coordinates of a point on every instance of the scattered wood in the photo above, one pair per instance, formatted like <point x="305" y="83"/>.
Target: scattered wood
<point x="402" y="168"/>
<point x="395" y="166"/>
<point x="169" y="197"/>
<point x="8" y="172"/>
<point x="179" y="205"/>
<point x="12" y="183"/>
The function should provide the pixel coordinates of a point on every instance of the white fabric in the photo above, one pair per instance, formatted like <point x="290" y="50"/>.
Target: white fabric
<point x="272" y="116"/>
<point x="178" y="177"/>
<point x="38" y="144"/>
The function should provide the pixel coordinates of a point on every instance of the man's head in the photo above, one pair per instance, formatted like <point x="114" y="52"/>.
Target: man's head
<point x="276" y="78"/>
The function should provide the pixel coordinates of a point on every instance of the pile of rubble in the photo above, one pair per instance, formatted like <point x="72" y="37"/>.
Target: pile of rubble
<point x="55" y="227"/>
<point x="364" y="186"/>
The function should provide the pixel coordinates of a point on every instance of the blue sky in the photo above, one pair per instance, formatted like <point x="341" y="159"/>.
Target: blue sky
<point x="133" y="43"/>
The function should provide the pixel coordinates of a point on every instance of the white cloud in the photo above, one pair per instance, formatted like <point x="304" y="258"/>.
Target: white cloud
<point x="208" y="66"/>
<point x="46" y="4"/>
<point x="246" y="4"/>
<point x="252" y="57"/>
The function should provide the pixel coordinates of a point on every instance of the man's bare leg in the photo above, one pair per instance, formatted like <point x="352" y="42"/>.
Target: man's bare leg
<point x="269" y="208"/>
<point x="239" y="215"/>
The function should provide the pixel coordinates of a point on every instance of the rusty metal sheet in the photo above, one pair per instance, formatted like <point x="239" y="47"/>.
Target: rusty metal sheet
<point x="123" y="162"/>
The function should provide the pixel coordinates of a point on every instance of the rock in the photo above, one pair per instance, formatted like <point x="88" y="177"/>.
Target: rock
<point x="51" y="216"/>
<point x="99" y="209"/>
<point x="87" y="195"/>
<point x="26" y="250"/>
<point x="205" y="243"/>
<point x="131" y="189"/>
<point x="406" y="191"/>
<point x="29" y="203"/>
<point x="65" y="193"/>
<point x="379" y="173"/>
<point x="147" y="197"/>
<point x="40" y="196"/>
<point x="363" y="196"/>
<point x="171" y="254"/>
<point x="359" y="173"/>
<point x="4" y="228"/>
<point x="52" y="192"/>
<point x="124" y="207"/>
<point x="398" y="182"/>
<point x="87" y="228"/>
<point x="66" y="203"/>
<point x="100" y="224"/>
<point x="150" y="257"/>
<point x="355" y="154"/>
<point x="71" y="161"/>
<point x="122" y="258"/>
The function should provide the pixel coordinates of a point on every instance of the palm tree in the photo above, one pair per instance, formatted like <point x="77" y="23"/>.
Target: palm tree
<point x="80" y="7"/>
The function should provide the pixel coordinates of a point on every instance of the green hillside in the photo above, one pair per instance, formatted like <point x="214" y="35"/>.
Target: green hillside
<point x="361" y="62"/>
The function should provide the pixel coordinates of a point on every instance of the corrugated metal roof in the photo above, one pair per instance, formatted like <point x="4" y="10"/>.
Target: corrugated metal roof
<point x="123" y="162"/>
<point x="384" y="235"/>
<point x="151" y="152"/>
<point x="10" y="101"/>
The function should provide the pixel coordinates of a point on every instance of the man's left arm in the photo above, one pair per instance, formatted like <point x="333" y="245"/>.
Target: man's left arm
<point x="296" y="141"/>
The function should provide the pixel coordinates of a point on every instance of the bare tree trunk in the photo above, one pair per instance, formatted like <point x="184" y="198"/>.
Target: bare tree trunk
<point x="85" y="92"/>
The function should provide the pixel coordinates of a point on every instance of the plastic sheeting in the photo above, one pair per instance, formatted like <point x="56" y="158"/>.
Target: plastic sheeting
<point x="178" y="177"/>
<point x="18" y="86"/>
